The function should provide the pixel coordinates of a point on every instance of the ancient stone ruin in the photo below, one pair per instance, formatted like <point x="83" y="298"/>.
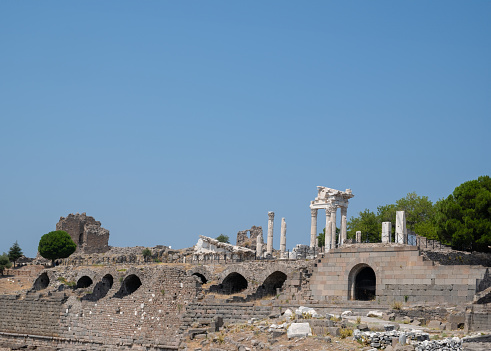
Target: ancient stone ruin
<point x="86" y="232"/>
<point x="248" y="238"/>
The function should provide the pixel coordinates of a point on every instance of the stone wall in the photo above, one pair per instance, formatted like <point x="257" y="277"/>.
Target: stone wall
<point x="400" y="273"/>
<point x="124" y="313"/>
<point x="247" y="238"/>
<point x="86" y="232"/>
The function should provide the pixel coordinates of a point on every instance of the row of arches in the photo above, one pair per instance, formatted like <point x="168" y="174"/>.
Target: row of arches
<point x="129" y="285"/>
<point x="235" y="283"/>
<point x="362" y="283"/>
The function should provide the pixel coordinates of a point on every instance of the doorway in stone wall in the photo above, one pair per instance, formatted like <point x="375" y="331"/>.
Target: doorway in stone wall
<point x="362" y="283"/>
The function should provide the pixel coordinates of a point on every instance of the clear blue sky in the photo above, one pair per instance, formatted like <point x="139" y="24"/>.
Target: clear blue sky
<point x="169" y="119"/>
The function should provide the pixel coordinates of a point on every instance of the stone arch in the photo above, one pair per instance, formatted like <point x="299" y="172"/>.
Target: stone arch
<point x="41" y="282"/>
<point x="233" y="283"/>
<point x="129" y="285"/>
<point x="362" y="283"/>
<point x="84" y="282"/>
<point x="201" y="277"/>
<point x="273" y="282"/>
<point x="101" y="288"/>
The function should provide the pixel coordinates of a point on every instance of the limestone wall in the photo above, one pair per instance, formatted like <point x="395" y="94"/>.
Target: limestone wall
<point x="401" y="274"/>
<point x="150" y="315"/>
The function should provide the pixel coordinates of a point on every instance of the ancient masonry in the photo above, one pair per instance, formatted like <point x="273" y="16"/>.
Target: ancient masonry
<point x="86" y="232"/>
<point x="110" y="306"/>
<point x="249" y="241"/>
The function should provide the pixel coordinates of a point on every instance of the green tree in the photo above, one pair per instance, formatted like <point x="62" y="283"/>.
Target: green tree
<point x="420" y="213"/>
<point x="223" y="238"/>
<point x="146" y="254"/>
<point x="368" y="223"/>
<point x="15" y="253"/>
<point x="321" y="238"/>
<point x="463" y="219"/>
<point x="4" y="262"/>
<point x="56" y="244"/>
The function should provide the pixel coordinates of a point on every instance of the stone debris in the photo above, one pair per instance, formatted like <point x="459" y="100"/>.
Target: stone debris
<point x="209" y="247"/>
<point x="302" y="311"/>
<point x="298" y="330"/>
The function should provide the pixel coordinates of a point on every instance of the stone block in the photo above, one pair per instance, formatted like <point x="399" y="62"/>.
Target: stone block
<point x="297" y="330"/>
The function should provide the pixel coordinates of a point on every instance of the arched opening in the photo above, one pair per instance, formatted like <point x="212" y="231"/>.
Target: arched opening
<point x="362" y="283"/>
<point x="101" y="288"/>
<point x="80" y="239"/>
<point x="41" y="282"/>
<point x="84" y="282"/>
<point x="234" y="283"/>
<point x="201" y="277"/>
<point x="273" y="282"/>
<point x="130" y="284"/>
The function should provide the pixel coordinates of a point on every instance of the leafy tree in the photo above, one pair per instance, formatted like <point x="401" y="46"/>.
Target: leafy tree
<point x="4" y="262"/>
<point x="463" y="219"/>
<point x="223" y="238"/>
<point x="56" y="244"/>
<point x="420" y="214"/>
<point x="146" y="254"/>
<point x="321" y="238"/>
<point x="15" y="253"/>
<point x="368" y="223"/>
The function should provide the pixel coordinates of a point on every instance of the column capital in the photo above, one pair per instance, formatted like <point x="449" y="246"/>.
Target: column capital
<point x="271" y="215"/>
<point x="332" y="208"/>
<point x="313" y="212"/>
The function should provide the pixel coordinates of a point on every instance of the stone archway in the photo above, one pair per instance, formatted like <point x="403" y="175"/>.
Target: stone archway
<point x="201" y="277"/>
<point x="233" y="283"/>
<point x="362" y="283"/>
<point x="274" y="281"/>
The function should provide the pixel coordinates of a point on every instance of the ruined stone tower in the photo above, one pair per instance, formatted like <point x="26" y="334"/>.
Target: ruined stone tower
<point x="86" y="232"/>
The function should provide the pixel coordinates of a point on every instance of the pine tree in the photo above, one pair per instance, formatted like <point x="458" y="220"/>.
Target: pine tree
<point x="15" y="253"/>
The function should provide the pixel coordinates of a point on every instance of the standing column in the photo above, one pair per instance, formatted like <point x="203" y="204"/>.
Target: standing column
<point x="386" y="231"/>
<point x="259" y="246"/>
<point x="343" y="233"/>
<point x="269" y="248"/>
<point x="313" y="228"/>
<point x="401" y="230"/>
<point x="327" y="237"/>
<point x="334" y="209"/>
<point x="283" y="238"/>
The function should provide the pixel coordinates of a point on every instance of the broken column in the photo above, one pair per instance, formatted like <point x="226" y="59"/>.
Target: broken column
<point x="313" y="228"/>
<point x="259" y="246"/>
<point x="358" y="236"/>
<point x="269" y="248"/>
<point x="386" y="232"/>
<point x="401" y="230"/>
<point x="283" y="238"/>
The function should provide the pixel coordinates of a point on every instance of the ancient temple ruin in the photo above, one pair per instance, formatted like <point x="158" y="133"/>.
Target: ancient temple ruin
<point x="86" y="232"/>
<point x="330" y="200"/>
<point x="248" y="238"/>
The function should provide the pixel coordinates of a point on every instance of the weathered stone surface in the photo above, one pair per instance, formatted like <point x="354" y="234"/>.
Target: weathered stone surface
<point x="298" y="330"/>
<point x="86" y="232"/>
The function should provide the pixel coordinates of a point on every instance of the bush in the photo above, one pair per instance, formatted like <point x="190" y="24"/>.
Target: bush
<point x="396" y="305"/>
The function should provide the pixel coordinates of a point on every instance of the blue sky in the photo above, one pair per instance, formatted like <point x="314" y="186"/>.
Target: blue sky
<point x="165" y="120"/>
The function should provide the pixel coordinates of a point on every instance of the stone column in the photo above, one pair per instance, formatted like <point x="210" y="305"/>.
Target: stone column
<point x="283" y="238"/>
<point x="313" y="228"/>
<point x="358" y="237"/>
<point x="327" y="237"/>
<point x="386" y="232"/>
<point x="401" y="231"/>
<point x="334" y="209"/>
<point x="343" y="232"/>
<point x="259" y="246"/>
<point x="269" y="248"/>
